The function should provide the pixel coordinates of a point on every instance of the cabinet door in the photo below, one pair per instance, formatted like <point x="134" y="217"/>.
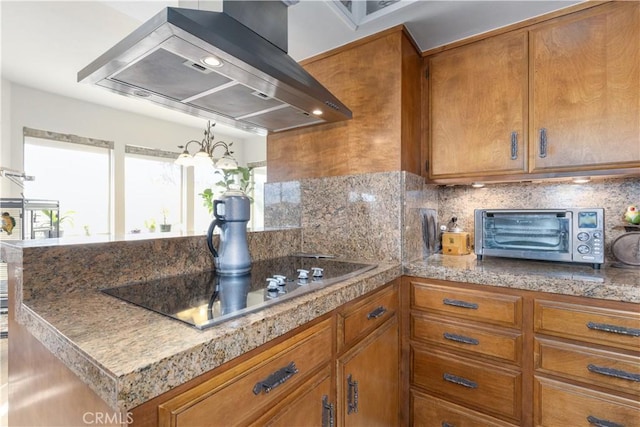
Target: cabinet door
<point x="478" y="104"/>
<point x="562" y="404"/>
<point x="311" y="405"/>
<point x="244" y="392"/>
<point x="368" y="388"/>
<point x="585" y="109"/>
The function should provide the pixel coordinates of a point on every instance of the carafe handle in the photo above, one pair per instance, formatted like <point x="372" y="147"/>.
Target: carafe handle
<point x="216" y="212"/>
<point x="214" y="223"/>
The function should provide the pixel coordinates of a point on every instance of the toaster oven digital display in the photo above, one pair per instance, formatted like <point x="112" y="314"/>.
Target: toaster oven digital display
<point x="587" y="220"/>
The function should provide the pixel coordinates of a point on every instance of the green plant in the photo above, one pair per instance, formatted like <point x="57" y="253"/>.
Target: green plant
<point x="150" y="224"/>
<point x="66" y="218"/>
<point x="229" y="177"/>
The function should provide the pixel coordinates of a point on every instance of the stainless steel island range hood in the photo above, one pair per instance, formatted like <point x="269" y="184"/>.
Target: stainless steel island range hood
<point x="229" y="66"/>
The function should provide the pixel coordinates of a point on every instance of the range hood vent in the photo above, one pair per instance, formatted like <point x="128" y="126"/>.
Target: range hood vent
<point x="258" y="88"/>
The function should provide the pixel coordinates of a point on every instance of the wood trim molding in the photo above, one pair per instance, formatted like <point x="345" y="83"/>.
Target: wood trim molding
<point x="518" y="25"/>
<point x="363" y="41"/>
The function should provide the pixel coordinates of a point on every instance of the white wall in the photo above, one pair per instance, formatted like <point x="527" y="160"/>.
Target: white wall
<point x="24" y="106"/>
<point x="7" y="188"/>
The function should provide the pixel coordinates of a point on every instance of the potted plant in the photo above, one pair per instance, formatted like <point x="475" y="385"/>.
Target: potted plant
<point x="164" y="227"/>
<point x="150" y="224"/>
<point x="229" y="177"/>
<point x="59" y="221"/>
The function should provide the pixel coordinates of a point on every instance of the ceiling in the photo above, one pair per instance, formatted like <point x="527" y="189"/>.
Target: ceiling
<point x="45" y="43"/>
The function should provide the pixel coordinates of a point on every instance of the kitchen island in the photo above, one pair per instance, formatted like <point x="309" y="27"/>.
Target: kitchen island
<point x="128" y="355"/>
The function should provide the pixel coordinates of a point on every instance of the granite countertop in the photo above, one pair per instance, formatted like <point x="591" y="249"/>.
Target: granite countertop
<point x="113" y="345"/>
<point x="129" y="355"/>
<point x="611" y="283"/>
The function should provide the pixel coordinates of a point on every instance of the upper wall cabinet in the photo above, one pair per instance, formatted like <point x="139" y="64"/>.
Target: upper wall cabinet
<point x="585" y="81"/>
<point x="558" y="98"/>
<point x="379" y="79"/>
<point x="478" y="100"/>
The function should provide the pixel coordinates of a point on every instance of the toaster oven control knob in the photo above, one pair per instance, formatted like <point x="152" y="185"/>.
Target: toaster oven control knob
<point x="303" y="274"/>
<point x="583" y="237"/>
<point x="583" y="249"/>
<point x="317" y="271"/>
<point x="272" y="284"/>
<point x="597" y="235"/>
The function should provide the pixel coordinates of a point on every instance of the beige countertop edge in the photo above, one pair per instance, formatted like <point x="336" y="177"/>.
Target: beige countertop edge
<point x="149" y="354"/>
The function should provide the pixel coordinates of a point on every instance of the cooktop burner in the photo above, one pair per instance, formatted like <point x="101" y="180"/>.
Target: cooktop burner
<point x="205" y="299"/>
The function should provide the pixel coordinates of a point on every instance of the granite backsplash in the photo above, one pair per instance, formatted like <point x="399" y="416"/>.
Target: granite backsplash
<point x="382" y="215"/>
<point x="614" y="195"/>
<point x="63" y="268"/>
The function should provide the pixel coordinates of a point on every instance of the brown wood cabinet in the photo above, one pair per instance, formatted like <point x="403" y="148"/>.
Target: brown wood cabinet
<point x="540" y="359"/>
<point x="340" y="370"/>
<point x="466" y="350"/>
<point x="478" y="108"/>
<point x="585" y="87"/>
<point x="558" y="98"/>
<point x="587" y="363"/>
<point x="240" y="395"/>
<point x="368" y="370"/>
<point x="378" y="78"/>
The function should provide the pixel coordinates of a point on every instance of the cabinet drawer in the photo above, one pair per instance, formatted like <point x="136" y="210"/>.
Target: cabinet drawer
<point x="486" y="307"/>
<point x="598" y="367"/>
<point x="559" y="404"/>
<point x="502" y="345"/>
<point x="237" y="396"/>
<point x="430" y="411"/>
<point x="596" y="325"/>
<point x="358" y="320"/>
<point x="478" y="385"/>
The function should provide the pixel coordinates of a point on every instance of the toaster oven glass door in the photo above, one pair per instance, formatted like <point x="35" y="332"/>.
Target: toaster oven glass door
<point x="548" y="233"/>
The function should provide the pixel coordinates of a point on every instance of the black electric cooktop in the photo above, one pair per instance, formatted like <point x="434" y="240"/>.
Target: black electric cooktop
<point x="205" y="299"/>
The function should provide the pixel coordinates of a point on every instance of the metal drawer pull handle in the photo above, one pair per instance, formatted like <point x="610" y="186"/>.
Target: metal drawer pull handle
<point x="446" y="424"/>
<point x="514" y="145"/>
<point x="328" y="414"/>
<point x="459" y="380"/>
<point x="617" y="373"/>
<point x="602" y="423"/>
<point x="460" y="338"/>
<point x="614" y="329"/>
<point x="275" y="379"/>
<point x="458" y="303"/>
<point x="352" y="396"/>
<point x="543" y="143"/>
<point x="377" y="313"/>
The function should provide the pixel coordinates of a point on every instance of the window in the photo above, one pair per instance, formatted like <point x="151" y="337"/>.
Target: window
<point x="259" y="177"/>
<point x="153" y="191"/>
<point x="204" y="177"/>
<point x="209" y="177"/>
<point x="82" y="190"/>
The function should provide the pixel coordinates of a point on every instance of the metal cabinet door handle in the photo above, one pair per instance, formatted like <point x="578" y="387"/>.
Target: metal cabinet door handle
<point x="460" y="338"/>
<point x="352" y="395"/>
<point x="459" y="380"/>
<point x="598" y="422"/>
<point x="614" y="329"/>
<point x="459" y="303"/>
<point x="377" y="312"/>
<point x="275" y="379"/>
<point x="328" y="412"/>
<point x="514" y="145"/>
<point x="616" y="373"/>
<point x="543" y="143"/>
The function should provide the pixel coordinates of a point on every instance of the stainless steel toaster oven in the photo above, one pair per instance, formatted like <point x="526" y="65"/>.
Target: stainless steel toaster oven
<point x="566" y="235"/>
